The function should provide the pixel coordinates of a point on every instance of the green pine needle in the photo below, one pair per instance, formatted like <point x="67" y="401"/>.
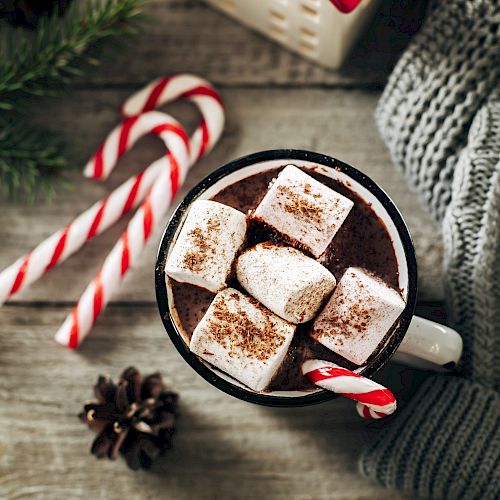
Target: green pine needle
<point x="30" y="161"/>
<point x="40" y="64"/>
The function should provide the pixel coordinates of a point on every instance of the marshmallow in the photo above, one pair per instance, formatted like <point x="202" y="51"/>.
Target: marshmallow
<point x="304" y="210"/>
<point x="285" y="280"/>
<point x="207" y="245"/>
<point x="242" y="338"/>
<point x="359" y="314"/>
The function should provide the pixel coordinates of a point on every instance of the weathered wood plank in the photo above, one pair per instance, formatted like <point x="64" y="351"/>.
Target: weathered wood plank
<point x="188" y="35"/>
<point x="224" y="448"/>
<point x="335" y="122"/>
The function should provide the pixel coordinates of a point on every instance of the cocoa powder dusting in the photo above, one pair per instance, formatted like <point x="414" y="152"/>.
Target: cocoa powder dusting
<point x="204" y="244"/>
<point x="300" y="206"/>
<point x="194" y="261"/>
<point x="236" y="332"/>
<point x="362" y="241"/>
<point x="344" y="322"/>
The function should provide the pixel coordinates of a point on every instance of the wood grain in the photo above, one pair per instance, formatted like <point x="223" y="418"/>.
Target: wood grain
<point x="336" y="122"/>
<point x="188" y="35"/>
<point x="224" y="448"/>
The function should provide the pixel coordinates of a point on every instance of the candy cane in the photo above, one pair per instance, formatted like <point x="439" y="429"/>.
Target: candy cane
<point x="374" y="400"/>
<point x="161" y="179"/>
<point x="128" y="248"/>
<point x="127" y="196"/>
<point x="125" y="253"/>
<point x="93" y="221"/>
<point x="190" y="87"/>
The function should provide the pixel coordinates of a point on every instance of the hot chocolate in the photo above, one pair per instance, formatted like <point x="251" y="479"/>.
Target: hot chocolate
<point x="357" y="241"/>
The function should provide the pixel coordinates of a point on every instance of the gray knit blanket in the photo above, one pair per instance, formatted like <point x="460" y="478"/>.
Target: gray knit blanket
<point x="440" y="118"/>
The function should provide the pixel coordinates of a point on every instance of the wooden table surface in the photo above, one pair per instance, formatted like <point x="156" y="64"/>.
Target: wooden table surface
<point x="224" y="448"/>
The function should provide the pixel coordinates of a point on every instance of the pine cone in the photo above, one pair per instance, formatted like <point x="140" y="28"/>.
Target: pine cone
<point x="135" y="418"/>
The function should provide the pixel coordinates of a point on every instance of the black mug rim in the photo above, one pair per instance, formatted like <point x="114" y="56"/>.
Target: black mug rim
<point x="245" y="161"/>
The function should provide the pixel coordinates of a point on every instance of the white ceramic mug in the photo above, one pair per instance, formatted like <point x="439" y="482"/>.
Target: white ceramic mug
<point x="416" y="341"/>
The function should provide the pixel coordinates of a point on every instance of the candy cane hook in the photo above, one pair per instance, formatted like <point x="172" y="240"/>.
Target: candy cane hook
<point x="167" y="173"/>
<point x="78" y="324"/>
<point x="374" y="400"/>
<point x="126" y="251"/>
<point x="96" y="219"/>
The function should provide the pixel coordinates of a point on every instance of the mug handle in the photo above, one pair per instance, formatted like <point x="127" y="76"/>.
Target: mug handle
<point x="429" y="346"/>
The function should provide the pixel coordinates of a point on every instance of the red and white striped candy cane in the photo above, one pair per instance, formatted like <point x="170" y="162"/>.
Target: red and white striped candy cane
<point x="126" y="251"/>
<point x="96" y="219"/>
<point x="374" y="400"/>
<point x="189" y="87"/>
<point x="128" y="248"/>
<point x="159" y="92"/>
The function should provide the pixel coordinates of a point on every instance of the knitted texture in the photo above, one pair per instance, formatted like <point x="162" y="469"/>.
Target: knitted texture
<point x="440" y="117"/>
<point x="471" y="231"/>
<point x="434" y="92"/>
<point x="444" y="445"/>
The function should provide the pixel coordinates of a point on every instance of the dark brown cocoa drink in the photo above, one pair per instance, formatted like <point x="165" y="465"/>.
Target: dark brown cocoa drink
<point x="362" y="241"/>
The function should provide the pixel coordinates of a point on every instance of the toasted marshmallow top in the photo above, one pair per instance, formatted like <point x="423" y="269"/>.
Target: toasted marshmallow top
<point x="303" y="209"/>
<point x="358" y="316"/>
<point x="242" y="338"/>
<point x="285" y="280"/>
<point x="207" y="244"/>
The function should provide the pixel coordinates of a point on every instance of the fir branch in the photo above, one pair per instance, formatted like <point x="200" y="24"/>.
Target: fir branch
<point x="40" y="64"/>
<point x="30" y="161"/>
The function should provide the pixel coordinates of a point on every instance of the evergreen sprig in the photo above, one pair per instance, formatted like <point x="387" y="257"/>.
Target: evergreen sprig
<point x="30" y="160"/>
<point x="40" y="64"/>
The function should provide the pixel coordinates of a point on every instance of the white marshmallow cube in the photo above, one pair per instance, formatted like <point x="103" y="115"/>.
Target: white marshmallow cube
<point x="242" y="338"/>
<point x="304" y="210"/>
<point x="358" y="316"/>
<point x="207" y="245"/>
<point x="285" y="280"/>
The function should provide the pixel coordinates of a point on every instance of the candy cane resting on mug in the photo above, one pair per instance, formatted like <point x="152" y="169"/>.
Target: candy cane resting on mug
<point x="374" y="400"/>
<point x="157" y="184"/>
